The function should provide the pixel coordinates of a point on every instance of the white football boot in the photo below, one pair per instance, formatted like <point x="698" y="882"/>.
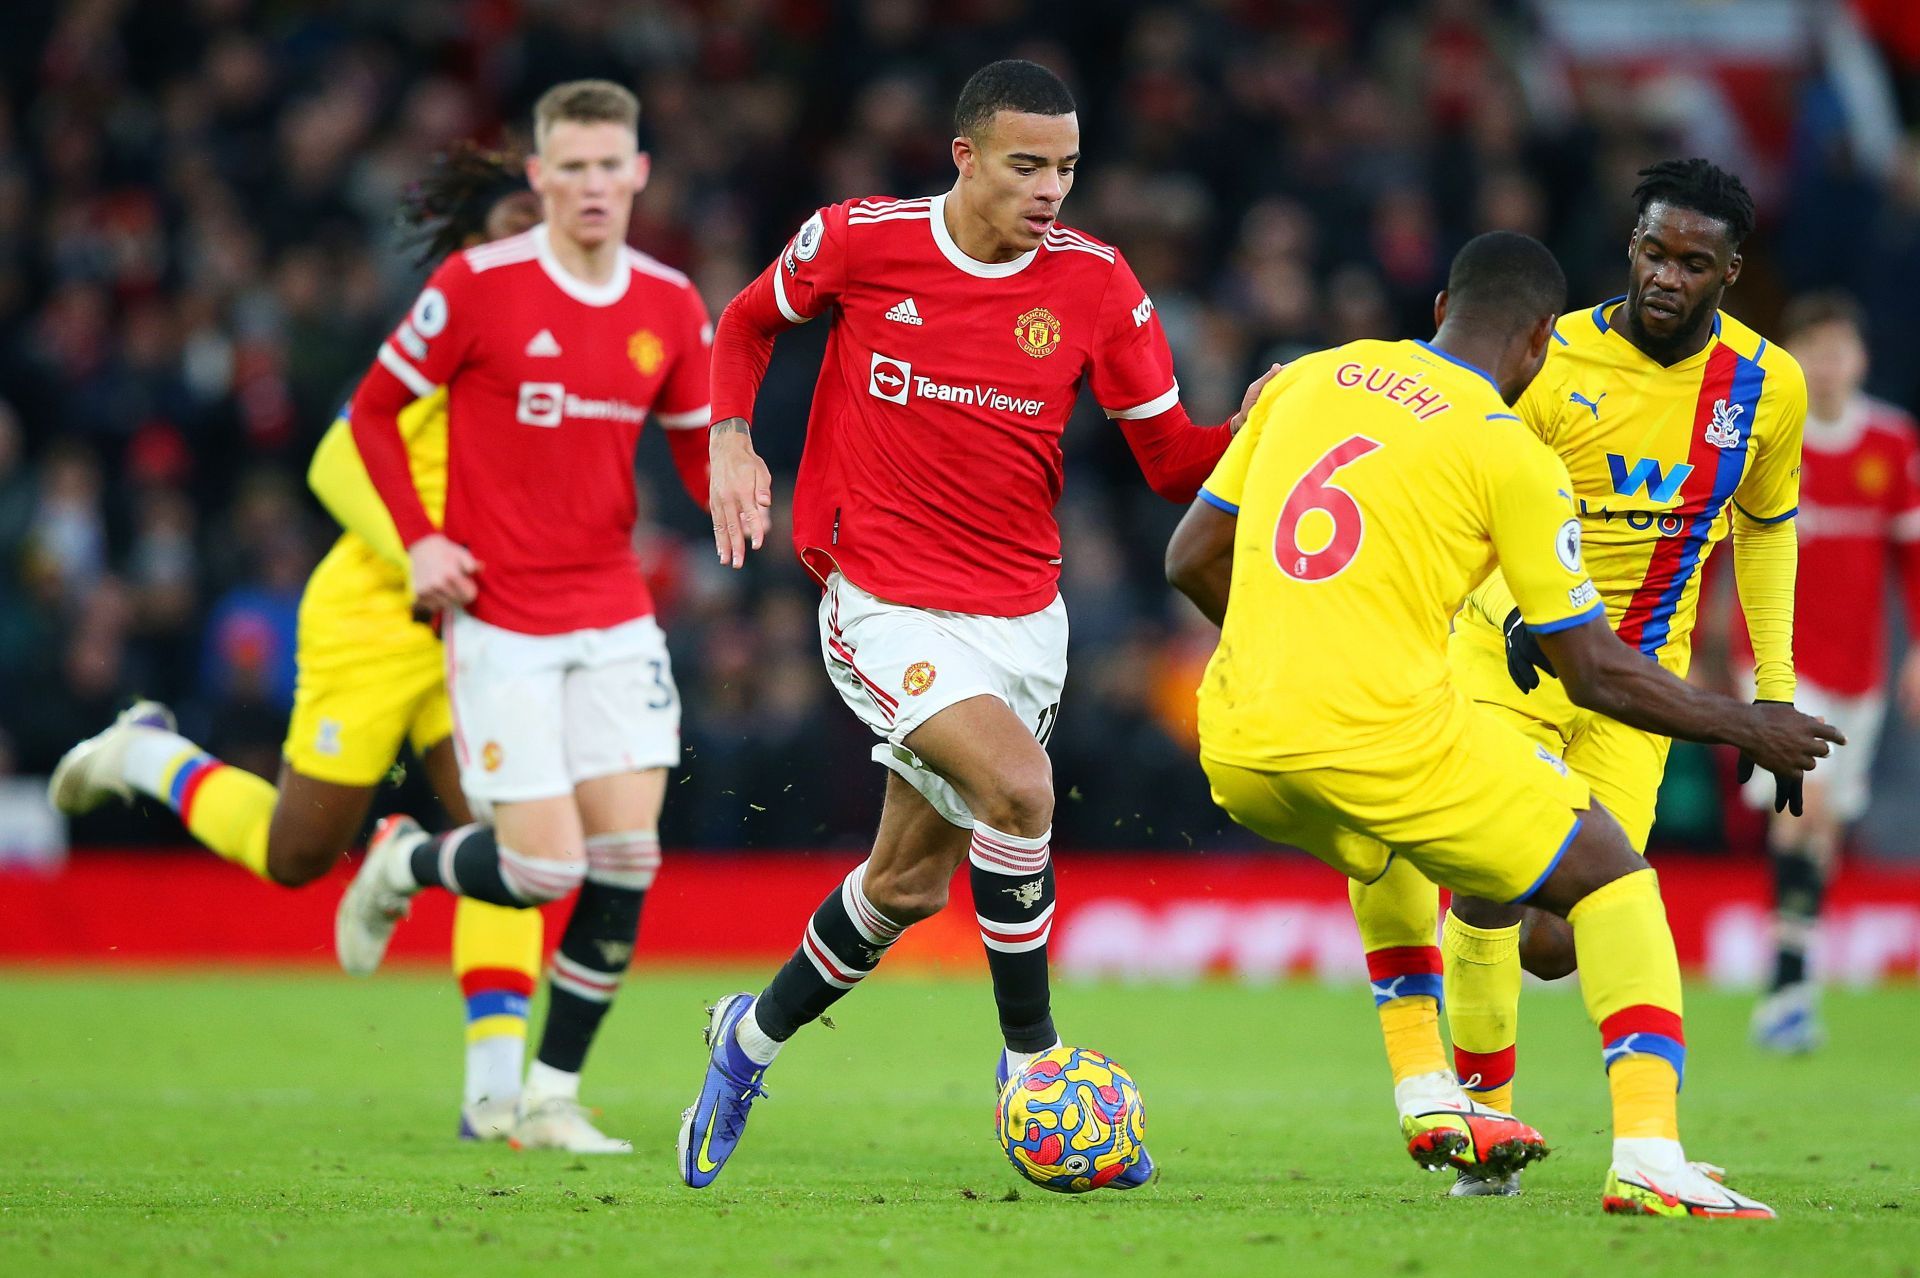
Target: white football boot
<point x="378" y="898"/>
<point x="489" y="1119"/>
<point x="1652" y="1177"/>
<point x="561" y="1122"/>
<point x="91" y="773"/>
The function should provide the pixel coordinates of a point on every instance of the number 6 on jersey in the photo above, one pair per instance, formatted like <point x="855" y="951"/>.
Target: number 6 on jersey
<point x="1316" y="492"/>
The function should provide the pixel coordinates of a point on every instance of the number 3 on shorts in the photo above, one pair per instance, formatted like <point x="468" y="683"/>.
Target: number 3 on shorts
<point x="1316" y="492"/>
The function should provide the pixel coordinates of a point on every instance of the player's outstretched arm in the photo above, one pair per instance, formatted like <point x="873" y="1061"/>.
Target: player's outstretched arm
<point x="1200" y="558"/>
<point x="1605" y="675"/>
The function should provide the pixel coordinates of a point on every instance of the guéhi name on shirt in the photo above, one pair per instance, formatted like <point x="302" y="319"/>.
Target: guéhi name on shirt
<point x="548" y="403"/>
<point x="894" y="380"/>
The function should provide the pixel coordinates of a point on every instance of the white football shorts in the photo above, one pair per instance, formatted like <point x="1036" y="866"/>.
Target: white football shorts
<point x="896" y="667"/>
<point x="1843" y="775"/>
<point x="534" y="715"/>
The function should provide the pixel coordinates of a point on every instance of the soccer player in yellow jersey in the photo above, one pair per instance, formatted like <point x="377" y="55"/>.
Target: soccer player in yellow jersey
<point x="1373" y="486"/>
<point x="1678" y="424"/>
<point x="370" y="679"/>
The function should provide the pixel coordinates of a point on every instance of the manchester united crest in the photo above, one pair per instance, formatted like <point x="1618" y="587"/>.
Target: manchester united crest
<point x="1874" y="476"/>
<point x="1038" y="332"/>
<point x="646" y="351"/>
<point x="918" y="679"/>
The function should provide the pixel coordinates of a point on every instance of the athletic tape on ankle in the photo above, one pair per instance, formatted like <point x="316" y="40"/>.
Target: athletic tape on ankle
<point x="536" y="879"/>
<point x="625" y="859"/>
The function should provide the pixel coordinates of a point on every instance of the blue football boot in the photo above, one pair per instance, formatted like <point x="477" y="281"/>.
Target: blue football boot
<point x="710" y="1131"/>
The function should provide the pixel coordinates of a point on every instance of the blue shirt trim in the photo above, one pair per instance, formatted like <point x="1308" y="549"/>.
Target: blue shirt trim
<point x="1218" y="503"/>
<point x="1503" y="417"/>
<point x="1553" y="864"/>
<point x="1790" y="512"/>
<point x="1600" y="320"/>
<point x="1563" y="341"/>
<point x="1597" y="612"/>
<point x="1455" y="359"/>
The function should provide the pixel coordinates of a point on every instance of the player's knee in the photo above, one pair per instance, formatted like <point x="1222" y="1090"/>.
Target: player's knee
<point x="909" y="893"/>
<point x="297" y="862"/>
<point x="1021" y="802"/>
<point x="1546" y="946"/>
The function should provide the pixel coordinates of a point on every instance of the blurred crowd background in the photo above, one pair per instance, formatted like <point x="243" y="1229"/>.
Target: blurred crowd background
<point x="198" y="258"/>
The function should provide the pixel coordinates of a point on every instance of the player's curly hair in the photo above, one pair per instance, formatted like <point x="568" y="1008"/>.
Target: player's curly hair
<point x="1702" y="186"/>
<point x="1009" y="85"/>
<point x="449" y="206"/>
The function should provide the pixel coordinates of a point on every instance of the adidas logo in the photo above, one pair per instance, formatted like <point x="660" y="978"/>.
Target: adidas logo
<point x="543" y="344"/>
<point x="905" y="312"/>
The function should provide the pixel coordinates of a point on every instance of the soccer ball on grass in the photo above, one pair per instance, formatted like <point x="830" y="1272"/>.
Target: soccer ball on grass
<point x="1071" y="1121"/>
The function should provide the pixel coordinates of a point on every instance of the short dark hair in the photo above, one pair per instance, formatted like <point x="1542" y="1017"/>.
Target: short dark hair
<point x="450" y="205"/>
<point x="1702" y="186"/>
<point x="1505" y="276"/>
<point x="1812" y="310"/>
<point x="1009" y="85"/>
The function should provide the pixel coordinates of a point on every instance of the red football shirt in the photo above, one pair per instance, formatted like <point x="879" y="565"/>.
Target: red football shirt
<point x="1859" y="510"/>
<point x="549" y="380"/>
<point x="933" y="463"/>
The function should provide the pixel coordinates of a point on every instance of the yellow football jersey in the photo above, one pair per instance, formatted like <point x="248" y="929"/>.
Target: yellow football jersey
<point x="363" y="582"/>
<point x="1375" y="484"/>
<point x="1663" y="460"/>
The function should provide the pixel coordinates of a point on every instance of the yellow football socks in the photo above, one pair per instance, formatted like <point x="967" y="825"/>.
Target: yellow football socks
<point x="1397" y="914"/>
<point x="1630" y="979"/>
<point x="227" y="809"/>
<point x="496" y="958"/>
<point x="1483" y="1007"/>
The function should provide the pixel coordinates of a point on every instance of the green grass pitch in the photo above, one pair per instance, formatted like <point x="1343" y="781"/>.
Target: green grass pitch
<point x="295" y="1123"/>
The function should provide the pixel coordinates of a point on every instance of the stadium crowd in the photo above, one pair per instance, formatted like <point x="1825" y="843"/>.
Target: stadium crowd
<point x="197" y="259"/>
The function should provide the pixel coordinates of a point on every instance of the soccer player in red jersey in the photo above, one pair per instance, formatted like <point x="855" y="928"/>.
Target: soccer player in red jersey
<point x="554" y="346"/>
<point x="963" y="327"/>
<point x="1859" y="515"/>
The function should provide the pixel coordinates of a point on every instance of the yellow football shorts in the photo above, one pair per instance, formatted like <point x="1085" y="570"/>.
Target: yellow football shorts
<point x="1485" y="810"/>
<point x="370" y="677"/>
<point x="1622" y="765"/>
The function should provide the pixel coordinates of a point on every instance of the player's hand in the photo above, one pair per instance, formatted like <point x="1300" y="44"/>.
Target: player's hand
<point x="1524" y="658"/>
<point x="1248" y="400"/>
<point x="1785" y="743"/>
<point x="739" y="492"/>
<point x="444" y="573"/>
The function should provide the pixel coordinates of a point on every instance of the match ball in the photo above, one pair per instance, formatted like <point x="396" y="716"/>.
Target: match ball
<point x="1071" y="1121"/>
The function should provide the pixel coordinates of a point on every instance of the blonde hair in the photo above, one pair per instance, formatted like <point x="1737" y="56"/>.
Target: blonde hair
<point x="584" y="102"/>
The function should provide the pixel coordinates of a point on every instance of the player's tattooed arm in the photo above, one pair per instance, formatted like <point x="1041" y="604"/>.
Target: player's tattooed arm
<point x="740" y="490"/>
<point x="1200" y="558"/>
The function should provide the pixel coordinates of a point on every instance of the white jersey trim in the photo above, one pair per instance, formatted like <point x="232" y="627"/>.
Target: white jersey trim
<point x="410" y="377"/>
<point x="780" y="297"/>
<point x="1063" y="239"/>
<point x="647" y="264"/>
<point x="1152" y="408"/>
<point x="692" y="419"/>
<point x="515" y="248"/>
<point x="1904" y="527"/>
<point x="573" y="286"/>
<point x="953" y="253"/>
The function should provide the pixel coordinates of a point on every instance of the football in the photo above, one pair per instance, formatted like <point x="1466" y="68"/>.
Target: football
<point x="1071" y="1121"/>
